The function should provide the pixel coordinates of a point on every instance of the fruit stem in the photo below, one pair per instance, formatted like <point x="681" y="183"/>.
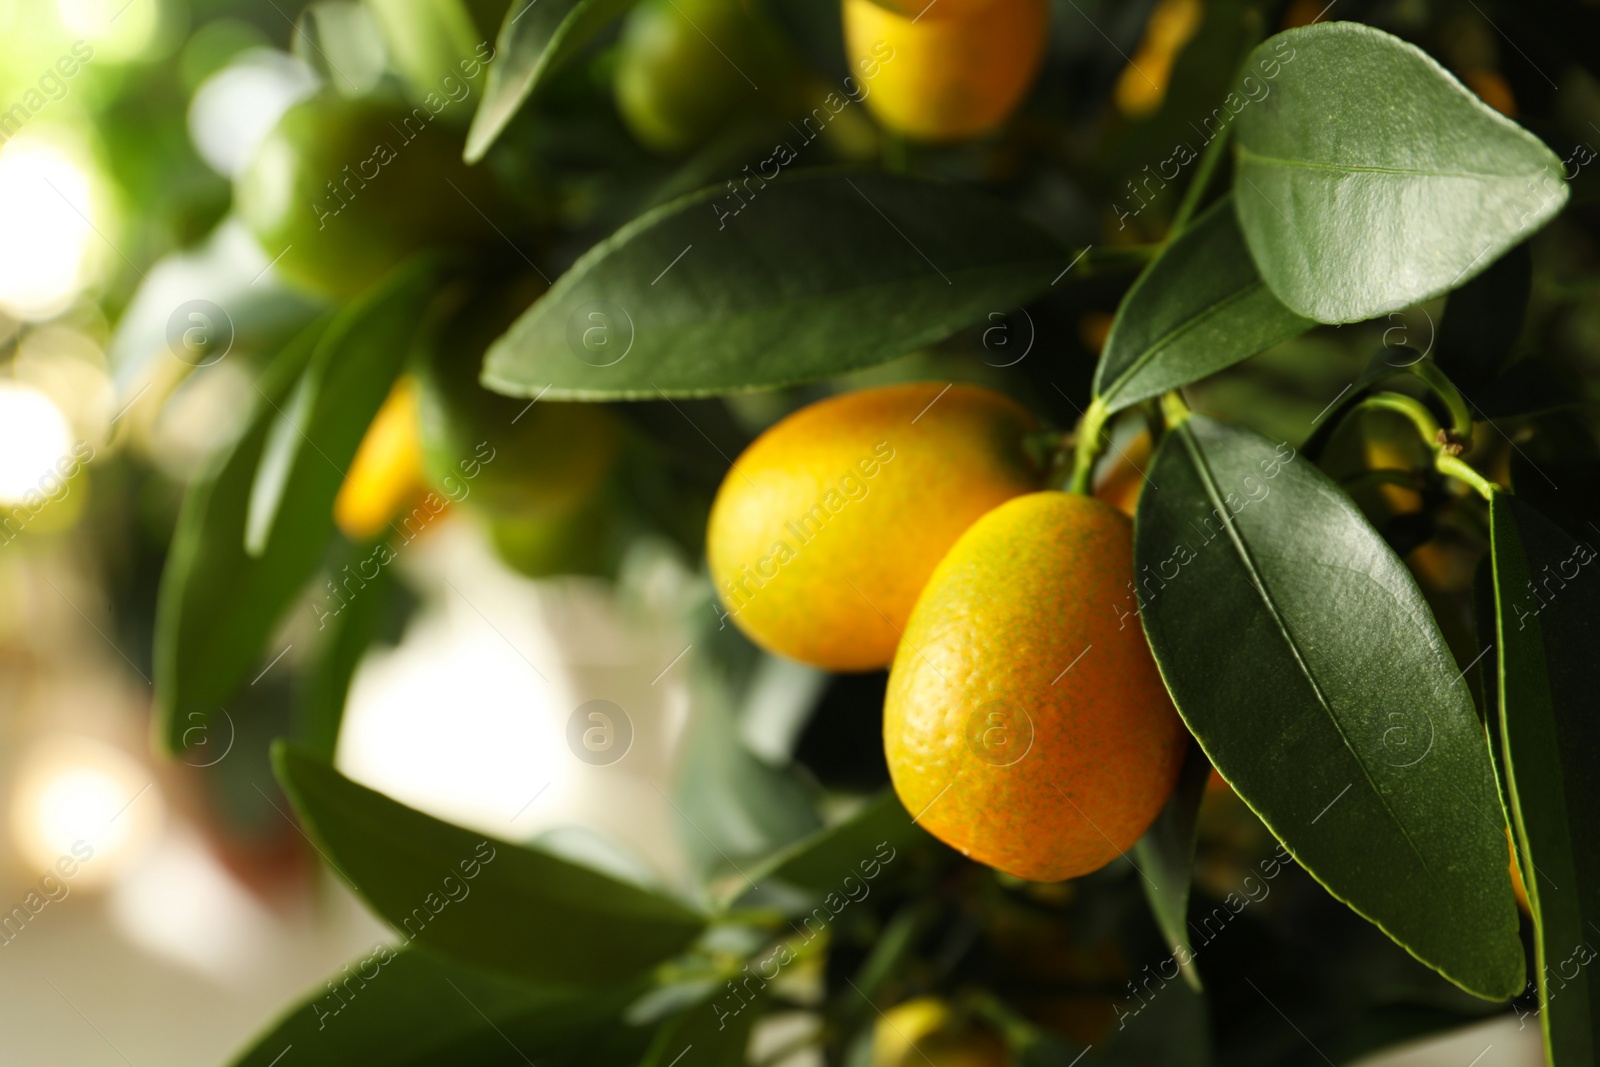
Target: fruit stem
<point x="1449" y="395"/>
<point x="1456" y="467"/>
<point x="1442" y="443"/>
<point x="1091" y="441"/>
<point x="1405" y="406"/>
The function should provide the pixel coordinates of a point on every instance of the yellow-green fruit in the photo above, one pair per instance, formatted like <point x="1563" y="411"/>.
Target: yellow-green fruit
<point x="1025" y="722"/>
<point x="580" y="540"/>
<point x="344" y="189"/>
<point x="949" y="70"/>
<point x="826" y="528"/>
<point x="685" y="66"/>
<point x="921" y="1031"/>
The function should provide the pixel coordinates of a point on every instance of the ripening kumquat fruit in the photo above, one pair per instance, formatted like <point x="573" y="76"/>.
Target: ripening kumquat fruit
<point x="1143" y="83"/>
<point x="948" y="70"/>
<point x="386" y="476"/>
<point x="827" y="526"/>
<point x="501" y="456"/>
<point x="921" y="1031"/>
<point x="685" y="66"/>
<point x="1025" y="724"/>
<point x="343" y="189"/>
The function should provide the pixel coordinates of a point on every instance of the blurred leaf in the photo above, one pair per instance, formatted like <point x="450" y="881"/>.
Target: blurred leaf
<point x="315" y="436"/>
<point x="537" y="37"/>
<point x="1165" y="859"/>
<point x="1556" y="469"/>
<point x="278" y="454"/>
<point x="814" y="275"/>
<point x="319" y="708"/>
<point x="1172" y="1029"/>
<point x="536" y="917"/>
<point x="1198" y="308"/>
<point x="1370" y="179"/>
<point x="718" y="1033"/>
<point x="400" y="1007"/>
<point x="865" y="842"/>
<point x="1546" y="638"/>
<point x="339" y="40"/>
<point x="218" y="603"/>
<point x="1265" y="589"/>
<point x="734" y="805"/>
<point x="427" y="40"/>
<point x="1483" y="320"/>
<point x="1534" y="385"/>
<point x="260" y="316"/>
<point x="1044" y="1049"/>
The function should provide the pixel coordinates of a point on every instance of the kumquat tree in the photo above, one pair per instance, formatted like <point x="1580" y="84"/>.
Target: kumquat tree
<point x="977" y="532"/>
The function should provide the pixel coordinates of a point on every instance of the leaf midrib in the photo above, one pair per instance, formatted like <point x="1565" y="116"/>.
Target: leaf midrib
<point x="722" y="323"/>
<point x="1245" y="556"/>
<point x="1357" y="168"/>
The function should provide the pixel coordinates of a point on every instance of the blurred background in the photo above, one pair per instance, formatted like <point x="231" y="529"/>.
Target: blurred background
<point x="195" y="911"/>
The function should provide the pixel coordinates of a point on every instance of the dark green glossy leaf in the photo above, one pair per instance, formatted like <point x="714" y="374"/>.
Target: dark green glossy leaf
<point x="1198" y="308"/>
<point x="1303" y="657"/>
<point x="1165" y="858"/>
<point x="814" y="275"/>
<point x="525" y="912"/>
<point x="219" y="601"/>
<point x="1547" y="587"/>
<point x="537" y="37"/>
<point x="405" y="1008"/>
<point x="1368" y="179"/>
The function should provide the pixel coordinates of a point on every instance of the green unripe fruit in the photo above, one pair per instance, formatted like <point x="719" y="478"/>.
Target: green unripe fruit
<point x="346" y="188"/>
<point x="502" y="456"/>
<point x="580" y="541"/>
<point x="685" y="66"/>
